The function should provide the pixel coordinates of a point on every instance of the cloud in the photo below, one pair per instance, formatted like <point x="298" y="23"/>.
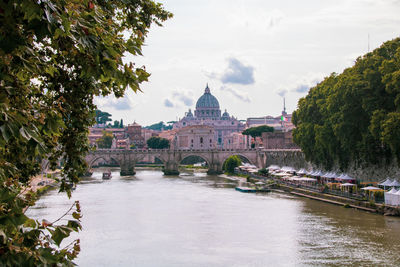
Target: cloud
<point x="122" y="103"/>
<point x="183" y="97"/>
<point x="301" y="88"/>
<point x="242" y="96"/>
<point x="168" y="103"/>
<point x="238" y="73"/>
<point x="282" y="92"/>
<point x="304" y="85"/>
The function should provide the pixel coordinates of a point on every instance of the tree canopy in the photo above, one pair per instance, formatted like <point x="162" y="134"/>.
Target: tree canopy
<point x="354" y="116"/>
<point x="55" y="56"/>
<point x="257" y="131"/>
<point x="231" y="163"/>
<point x="156" y="142"/>
<point x="102" y="117"/>
<point x="159" y="126"/>
<point x="106" y="140"/>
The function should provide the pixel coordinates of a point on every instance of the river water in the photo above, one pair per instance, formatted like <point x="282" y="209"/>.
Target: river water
<point x="200" y="220"/>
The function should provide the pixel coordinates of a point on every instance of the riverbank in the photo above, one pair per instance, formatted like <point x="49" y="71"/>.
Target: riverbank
<point x="321" y="196"/>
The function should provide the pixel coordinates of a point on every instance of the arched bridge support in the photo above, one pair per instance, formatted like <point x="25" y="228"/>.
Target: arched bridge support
<point x="171" y="160"/>
<point x="215" y="164"/>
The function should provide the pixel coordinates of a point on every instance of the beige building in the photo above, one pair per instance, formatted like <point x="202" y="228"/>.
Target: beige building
<point x="195" y="137"/>
<point x="208" y="113"/>
<point x="147" y="134"/>
<point x="278" y="140"/>
<point x="236" y="141"/>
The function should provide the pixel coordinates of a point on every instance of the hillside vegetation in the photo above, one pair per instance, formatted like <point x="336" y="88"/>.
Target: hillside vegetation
<point x="354" y="117"/>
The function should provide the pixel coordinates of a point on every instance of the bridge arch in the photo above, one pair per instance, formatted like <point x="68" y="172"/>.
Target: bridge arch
<point x="105" y="159"/>
<point x="243" y="158"/>
<point x="187" y="156"/>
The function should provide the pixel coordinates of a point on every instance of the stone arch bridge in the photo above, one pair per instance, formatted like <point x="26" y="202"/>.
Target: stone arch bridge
<point x="215" y="158"/>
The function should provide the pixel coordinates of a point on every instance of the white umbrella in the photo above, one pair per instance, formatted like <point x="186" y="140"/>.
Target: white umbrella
<point x="347" y="184"/>
<point x="259" y="183"/>
<point x="370" y="188"/>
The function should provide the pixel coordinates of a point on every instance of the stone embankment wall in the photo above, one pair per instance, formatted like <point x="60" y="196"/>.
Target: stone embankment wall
<point x="370" y="173"/>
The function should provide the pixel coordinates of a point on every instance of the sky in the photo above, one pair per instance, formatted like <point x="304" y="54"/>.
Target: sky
<point x="251" y="53"/>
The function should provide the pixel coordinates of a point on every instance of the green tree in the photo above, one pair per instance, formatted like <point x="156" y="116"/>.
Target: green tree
<point x="156" y="142"/>
<point x="102" y="117"/>
<point x="55" y="56"/>
<point x="116" y="124"/>
<point x="231" y="163"/>
<point x="257" y="132"/>
<point x="354" y="116"/>
<point x="121" y="124"/>
<point x="106" y="140"/>
<point x="159" y="126"/>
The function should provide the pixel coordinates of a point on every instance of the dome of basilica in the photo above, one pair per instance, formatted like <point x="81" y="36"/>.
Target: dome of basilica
<point x="207" y="100"/>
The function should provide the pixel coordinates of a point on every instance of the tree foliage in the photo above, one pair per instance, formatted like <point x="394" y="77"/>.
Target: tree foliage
<point x="354" y="116"/>
<point x="106" y="140"/>
<point x="257" y="131"/>
<point x="55" y="56"/>
<point x="159" y="126"/>
<point x="231" y="163"/>
<point x="102" y="117"/>
<point x="156" y="142"/>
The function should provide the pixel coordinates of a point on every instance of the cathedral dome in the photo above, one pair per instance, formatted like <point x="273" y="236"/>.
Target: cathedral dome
<point x="207" y="100"/>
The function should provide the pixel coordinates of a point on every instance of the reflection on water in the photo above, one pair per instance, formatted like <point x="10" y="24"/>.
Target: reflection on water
<point x="199" y="220"/>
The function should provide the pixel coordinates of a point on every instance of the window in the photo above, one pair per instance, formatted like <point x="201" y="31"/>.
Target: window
<point x="201" y="140"/>
<point x="210" y="140"/>
<point x="192" y="141"/>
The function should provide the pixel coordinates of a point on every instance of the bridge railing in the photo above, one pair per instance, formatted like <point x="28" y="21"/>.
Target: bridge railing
<point x="177" y="150"/>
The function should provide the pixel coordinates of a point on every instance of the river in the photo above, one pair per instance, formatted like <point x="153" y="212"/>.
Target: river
<point x="200" y="220"/>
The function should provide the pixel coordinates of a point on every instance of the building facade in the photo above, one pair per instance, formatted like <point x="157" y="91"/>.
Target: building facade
<point x="208" y="113"/>
<point x="278" y="140"/>
<point x="195" y="137"/>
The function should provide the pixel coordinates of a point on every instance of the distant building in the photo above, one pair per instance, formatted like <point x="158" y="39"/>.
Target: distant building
<point x="281" y="123"/>
<point x="236" y="141"/>
<point x="120" y="143"/>
<point x="134" y="132"/>
<point x="208" y="113"/>
<point x="278" y="140"/>
<point x="147" y="134"/>
<point x="195" y="137"/>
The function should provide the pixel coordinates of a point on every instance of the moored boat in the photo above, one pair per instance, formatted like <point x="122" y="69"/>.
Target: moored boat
<point x="107" y="175"/>
<point x="246" y="189"/>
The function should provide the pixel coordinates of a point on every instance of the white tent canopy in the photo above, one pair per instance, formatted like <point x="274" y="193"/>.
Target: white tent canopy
<point x="345" y="177"/>
<point x="394" y="183"/>
<point x="288" y="169"/>
<point x="274" y="167"/>
<point x="392" y="197"/>
<point x="301" y="171"/>
<point x="387" y="182"/>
